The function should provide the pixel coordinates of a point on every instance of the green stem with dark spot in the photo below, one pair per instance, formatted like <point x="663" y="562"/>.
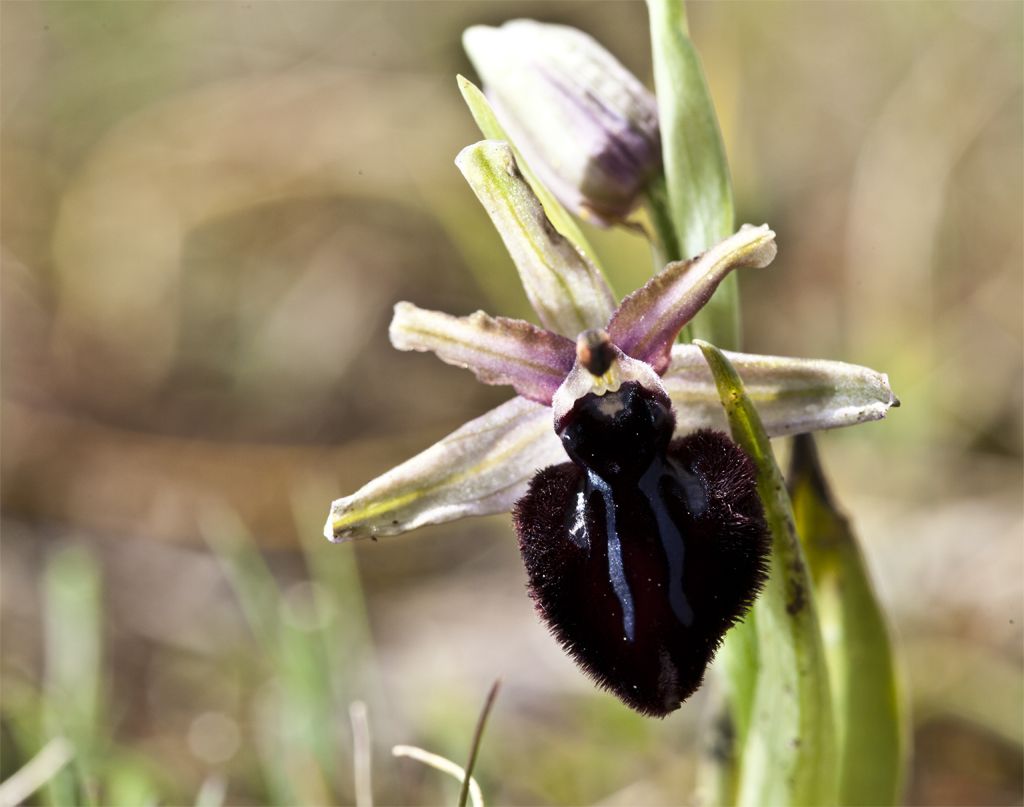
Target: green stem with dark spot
<point x="664" y="245"/>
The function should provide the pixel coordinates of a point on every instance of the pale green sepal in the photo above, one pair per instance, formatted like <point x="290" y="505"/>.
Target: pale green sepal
<point x="696" y="172"/>
<point x="564" y="288"/>
<point x="869" y="709"/>
<point x="487" y="122"/>
<point x="481" y="468"/>
<point x="789" y="753"/>
<point x="792" y="395"/>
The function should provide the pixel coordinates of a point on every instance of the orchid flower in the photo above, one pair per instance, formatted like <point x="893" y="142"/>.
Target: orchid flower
<point x="641" y="528"/>
<point x="485" y="466"/>
<point x="608" y="438"/>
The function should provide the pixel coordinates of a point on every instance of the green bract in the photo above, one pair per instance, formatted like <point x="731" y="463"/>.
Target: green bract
<point x="786" y="729"/>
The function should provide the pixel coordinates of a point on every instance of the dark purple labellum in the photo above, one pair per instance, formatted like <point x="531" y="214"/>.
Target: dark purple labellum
<point x="642" y="551"/>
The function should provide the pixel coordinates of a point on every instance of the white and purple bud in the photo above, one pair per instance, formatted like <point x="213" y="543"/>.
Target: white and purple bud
<point x="586" y="126"/>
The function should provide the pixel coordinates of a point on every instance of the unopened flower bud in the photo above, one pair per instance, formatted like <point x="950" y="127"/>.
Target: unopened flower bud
<point x="585" y="124"/>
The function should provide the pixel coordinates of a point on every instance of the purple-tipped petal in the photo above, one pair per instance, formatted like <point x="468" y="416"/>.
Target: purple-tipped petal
<point x="647" y="322"/>
<point x="792" y="395"/>
<point x="481" y="468"/>
<point x="498" y="350"/>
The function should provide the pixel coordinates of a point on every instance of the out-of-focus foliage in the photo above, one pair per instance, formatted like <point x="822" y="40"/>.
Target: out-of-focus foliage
<point x="869" y="713"/>
<point x="207" y="212"/>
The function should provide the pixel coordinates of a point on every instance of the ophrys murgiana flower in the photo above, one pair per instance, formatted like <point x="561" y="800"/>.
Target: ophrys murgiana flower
<point x="641" y="530"/>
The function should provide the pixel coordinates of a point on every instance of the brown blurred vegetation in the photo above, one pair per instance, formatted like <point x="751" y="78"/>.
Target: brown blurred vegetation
<point x="207" y="212"/>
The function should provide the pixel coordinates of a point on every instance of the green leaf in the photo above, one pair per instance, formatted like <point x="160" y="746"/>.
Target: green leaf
<point x="489" y="126"/>
<point x="740" y="661"/>
<point x="789" y="747"/>
<point x="696" y="172"/>
<point x="74" y="702"/>
<point x="870" y="718"/>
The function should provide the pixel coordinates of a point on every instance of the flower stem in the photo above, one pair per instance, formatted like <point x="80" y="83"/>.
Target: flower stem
<point x="664" y="245"/>
<point x="719" y="321"/>
<point x="699" y="192"/>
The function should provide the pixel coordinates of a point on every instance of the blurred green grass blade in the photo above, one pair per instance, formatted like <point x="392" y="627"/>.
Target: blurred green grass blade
<point x="22" y="705"/>
<point x="297" y="745"/>
<point x="73" y="628"/>
<point x="212" y="792"/>
<point x="870" y="714"/>
<point x="341" y="603"/>
<point x="789" y="752"/>
<point x="128" y="783"/>
<point x="489" y="126"/>
<point x="259" y="598"/>
<point x="341" y="639"/>
<point x="245" y="570"/>
<point x="444" y="765"/>
<point x="696" y="172"/>
<point x="304" y="670"/>
<point x="34" y="774"/>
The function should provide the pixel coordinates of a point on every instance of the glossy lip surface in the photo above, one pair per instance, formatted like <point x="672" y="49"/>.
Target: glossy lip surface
<point x="641" y="552"/>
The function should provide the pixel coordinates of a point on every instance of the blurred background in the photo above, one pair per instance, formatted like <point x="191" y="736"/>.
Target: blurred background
<point x="208" y="211"/>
